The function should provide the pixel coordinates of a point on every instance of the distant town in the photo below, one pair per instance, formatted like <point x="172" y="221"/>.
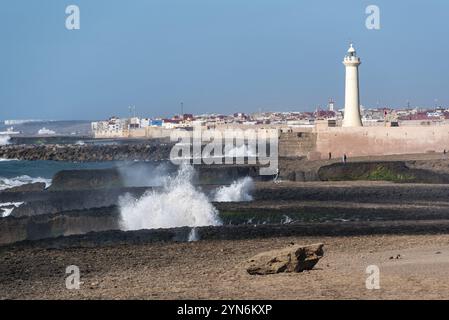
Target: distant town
<point x="135" y="126"/>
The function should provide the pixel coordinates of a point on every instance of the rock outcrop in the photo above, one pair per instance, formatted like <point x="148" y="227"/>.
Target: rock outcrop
<point x="86" y="180"/>
<point x="394" y="171"/>
<point x="295" y="258"/>
<point x="14" y="229"/>
<point x="30" y="187"/>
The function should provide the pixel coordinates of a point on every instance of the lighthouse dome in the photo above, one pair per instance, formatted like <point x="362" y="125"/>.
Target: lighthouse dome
<point x="351" y="49"/>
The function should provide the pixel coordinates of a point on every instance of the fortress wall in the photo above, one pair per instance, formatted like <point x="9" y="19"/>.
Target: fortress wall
<point x="367" y="141"/>
<point x="297" y="144"/>
<point x="157" y="132"/>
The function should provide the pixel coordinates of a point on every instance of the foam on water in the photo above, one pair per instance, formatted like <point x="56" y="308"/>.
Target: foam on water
<point x="6" y="183"/>
<point x="8" y="207"/>
<point x="177" y="204"/>
<point x="238" y="191"/>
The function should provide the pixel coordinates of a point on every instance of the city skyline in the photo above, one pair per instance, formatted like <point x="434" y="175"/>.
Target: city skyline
<point x="215" y="58"/>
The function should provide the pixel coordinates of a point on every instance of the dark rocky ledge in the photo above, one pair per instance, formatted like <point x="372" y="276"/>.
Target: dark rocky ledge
<point x="87" y="153"/>
<point x="230" y="232"/>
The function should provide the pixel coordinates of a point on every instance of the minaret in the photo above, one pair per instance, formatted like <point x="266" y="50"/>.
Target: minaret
<point x="352" y="100"/>
<point x="331" y="105"/>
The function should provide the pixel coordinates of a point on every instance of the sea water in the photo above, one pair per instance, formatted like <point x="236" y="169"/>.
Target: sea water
<point x="15" y="173"/>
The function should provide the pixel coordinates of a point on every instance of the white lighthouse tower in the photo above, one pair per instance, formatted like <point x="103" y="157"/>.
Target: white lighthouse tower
<point x="352" y="100"/>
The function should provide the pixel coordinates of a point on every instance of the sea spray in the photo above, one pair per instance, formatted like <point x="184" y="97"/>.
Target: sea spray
<point x="193" y="235"/>
<point x="141" y="174"/>
<point x="177" y="204"/>
<point x="4" y="140"/>
<point x="238" y="191"/>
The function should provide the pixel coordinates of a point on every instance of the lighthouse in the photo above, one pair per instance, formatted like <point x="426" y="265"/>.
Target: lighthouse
<point x="352" y="100"/>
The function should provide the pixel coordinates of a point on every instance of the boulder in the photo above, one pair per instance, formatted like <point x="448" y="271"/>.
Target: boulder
<point x="295" y="258"/>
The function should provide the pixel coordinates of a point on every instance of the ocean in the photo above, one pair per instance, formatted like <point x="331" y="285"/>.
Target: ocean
<point x="16" y="172"/>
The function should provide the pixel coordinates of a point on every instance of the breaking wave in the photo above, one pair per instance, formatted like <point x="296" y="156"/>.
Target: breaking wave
<point x="177" y="204"/>
<point x="6" y="183"/>
<point x="238" y="191"/>
<point x="44" y="131"/>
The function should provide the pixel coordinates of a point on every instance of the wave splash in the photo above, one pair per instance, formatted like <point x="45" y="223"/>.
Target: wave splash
<point x="238" y="191"/>
<point x="177" y="204"/>
<point x="4" y="140"/>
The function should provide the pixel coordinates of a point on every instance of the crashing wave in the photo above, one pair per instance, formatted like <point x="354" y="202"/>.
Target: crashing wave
<point x="238" y="191"/>
<point x="178" y="204"/>
<point x="4" y="140"/>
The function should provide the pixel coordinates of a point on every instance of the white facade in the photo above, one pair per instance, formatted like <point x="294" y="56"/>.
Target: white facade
<point x="352" y="100"/>
<point x="112" y="128"/>
<point x="146" y="122"/>
<point x="331" y="105"/>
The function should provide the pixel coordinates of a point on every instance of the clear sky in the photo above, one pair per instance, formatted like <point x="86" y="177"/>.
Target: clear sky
<point x="216" y="56"/>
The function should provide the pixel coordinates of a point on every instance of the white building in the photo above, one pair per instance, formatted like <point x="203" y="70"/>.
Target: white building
<point x="112" y="128"/>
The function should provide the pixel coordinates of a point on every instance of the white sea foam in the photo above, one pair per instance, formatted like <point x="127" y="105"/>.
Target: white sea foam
<point x="286" y="220"/>
<point x="238" y="191"/>
<point x="6" y="183"/>
<point x="8" y="207"/>
<point x="4" y="140"/>
<point x="178" y="203"/>
<point x="44" y="131"/>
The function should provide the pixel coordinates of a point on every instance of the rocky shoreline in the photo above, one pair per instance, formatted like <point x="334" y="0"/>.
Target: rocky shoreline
<point x="278" y="209"/>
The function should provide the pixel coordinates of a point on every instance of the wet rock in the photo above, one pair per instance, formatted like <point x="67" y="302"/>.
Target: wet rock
<point x="37" y="186"/>
<point x="295" y="258"/>
<point x="395" y="171"/>
<point x="14" y="229"/>
<point x="86" y="180"/>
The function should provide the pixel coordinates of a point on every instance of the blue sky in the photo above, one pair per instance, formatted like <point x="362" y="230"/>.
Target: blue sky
<point x="215" y="56"/>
